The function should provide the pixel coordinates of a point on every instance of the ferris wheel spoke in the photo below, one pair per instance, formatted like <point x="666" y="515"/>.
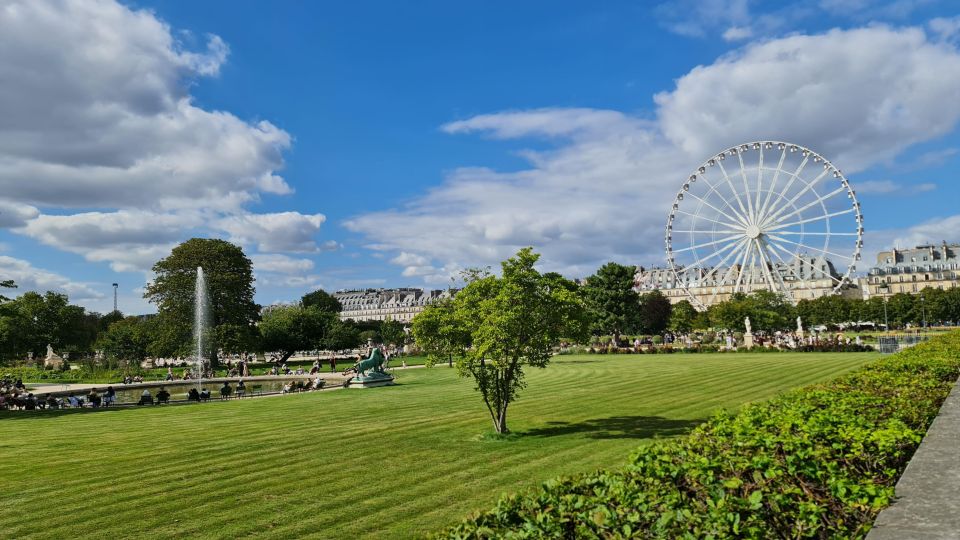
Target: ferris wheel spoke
<point x="713" y="189"/>
<point x="798" y="244"/>
<point x="705" y="244"/>
<point x="724" y="223"/>
<point x="804" y="261"/>
<point x="768" y="250"/>
<point x="706" y="231"/>
<point x="795" y="233"/>
<point x="776" y="211"/>
<point x="793" y="178"/>
<point x="766" y="262"/>
<point x="743" y="264"/>
<point x="746" y="187"/>
<point x="810" y="220"/>
<point x="773" y="183"/>
<point x="818" y="200"/>
<point x="732" y="248"/>
<point x="733" y="190"/>
<point x="789" y="266"/>
<point x="726" y="274"/>
<point x="714" y="207"/>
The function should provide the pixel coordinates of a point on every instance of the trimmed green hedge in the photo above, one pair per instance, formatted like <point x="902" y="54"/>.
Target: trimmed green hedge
<point x="819" y="462"/>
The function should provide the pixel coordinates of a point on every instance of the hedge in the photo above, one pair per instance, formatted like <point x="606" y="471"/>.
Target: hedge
<point x="818" y="462"/>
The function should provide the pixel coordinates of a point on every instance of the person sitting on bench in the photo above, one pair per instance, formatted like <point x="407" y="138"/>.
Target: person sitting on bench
<point x="193" y="395"/>
<point x="241" y="388"/>
<point x="225" y="391"/>
<point x="163" y="396"/>
<point x="145" y="398"/>
<point x="204" y="394"/>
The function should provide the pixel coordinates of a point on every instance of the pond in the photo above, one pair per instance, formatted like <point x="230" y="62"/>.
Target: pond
<point x="178" y="389"/>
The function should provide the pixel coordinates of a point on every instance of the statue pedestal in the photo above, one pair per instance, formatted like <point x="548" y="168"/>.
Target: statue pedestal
<point x="800" y="335"/>
<point x="748" y="340"/>
<point x="370" y="380"/>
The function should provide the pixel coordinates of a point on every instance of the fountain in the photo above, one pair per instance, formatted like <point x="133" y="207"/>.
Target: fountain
<point x="201" y="322"/>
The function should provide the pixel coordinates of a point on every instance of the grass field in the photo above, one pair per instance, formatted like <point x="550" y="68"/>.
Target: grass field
<point x="388" y="462"/>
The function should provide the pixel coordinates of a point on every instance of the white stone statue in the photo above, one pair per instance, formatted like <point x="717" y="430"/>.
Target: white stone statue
<point x="799" y="324"/>
<point x="49" y="351"/>
<point x="746" y="323"/>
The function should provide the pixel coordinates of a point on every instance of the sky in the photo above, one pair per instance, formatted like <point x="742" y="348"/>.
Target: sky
<point x="382" y="144"/>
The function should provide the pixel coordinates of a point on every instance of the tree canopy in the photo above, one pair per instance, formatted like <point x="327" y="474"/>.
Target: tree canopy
<point x="613" y="304"/>
<point x="496" y="326"/>
<point x="229" y="276"/>
<point x="323" y="300"/>
<point x="288" y="329"/>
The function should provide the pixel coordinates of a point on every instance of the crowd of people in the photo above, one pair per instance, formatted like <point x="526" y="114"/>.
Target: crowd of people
<point x="14" y="396"/>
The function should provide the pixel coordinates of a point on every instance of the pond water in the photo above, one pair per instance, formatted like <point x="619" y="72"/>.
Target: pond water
<point x="178" y="392"/>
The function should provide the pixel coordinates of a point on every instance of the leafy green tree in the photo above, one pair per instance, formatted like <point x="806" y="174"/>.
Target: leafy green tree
<point x="903" y="308"/>
<point x="229" y="277"/>
<point x="6" y="284"/>
<point x="288" y="329"/>
<point x="655" y="310"/>
<point x="437" y="331"/>
<point x="613" y="304"/>
<point x="369" y="336"/>
<point x="510" y="322"/>
<point x="36" y="320"/>
<point x="683" y="316"/>
<point x="768" y="311"/>
<point x="392" y="332"/>
<point x="127" y="341"/>
<point x="341" y="335"/>
<point x="322" y="300"/>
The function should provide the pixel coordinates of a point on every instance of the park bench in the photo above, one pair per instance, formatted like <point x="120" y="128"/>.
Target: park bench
<point x="256" y="389"/>
<point x="144" y="400"/>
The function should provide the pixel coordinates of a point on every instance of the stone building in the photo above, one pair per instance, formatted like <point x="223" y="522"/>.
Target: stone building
<point x="380" y="304"/>
<point x="912" y="270"/>
<point x="806" y="277"/>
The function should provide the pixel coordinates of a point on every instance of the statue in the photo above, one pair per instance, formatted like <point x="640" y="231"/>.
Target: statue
<point x="799" y="324"/>
<point x="746" y="323"/>
<point x="370" y="371"/>
<point x="52" y="361"/>
<point x="748" y="336"/>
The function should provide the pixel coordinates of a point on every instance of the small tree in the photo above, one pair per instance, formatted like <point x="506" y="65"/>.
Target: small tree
<point x="613" y="305"/>
<point x="392" y="333"/>
<point x="288" y="329"/>
<point x="682" y="317"/>
<point x="508" y="323"/>
<point x="655" y="312"/>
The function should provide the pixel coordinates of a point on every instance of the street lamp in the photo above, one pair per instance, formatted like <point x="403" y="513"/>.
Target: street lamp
<point x="923" y="311"/>
<point x="886" y="323"/>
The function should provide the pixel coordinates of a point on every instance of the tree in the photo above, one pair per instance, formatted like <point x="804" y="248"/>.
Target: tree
<point x="768" y="311"/>
<point x="341" y="335"/>
<point x="6" y="284"/>
<point x="655" y="312"/>
<point x="322" y="300"/>
<point x="32" y="321"/>
<point x="683" y="316"/>
<point x="392" y="332"/>
<point x="613" y="305"/>
<point x="288" y="329"/>
<point x="505" y="323"/>
<point x="127" y="341"/>
<point x="229" y="276"/>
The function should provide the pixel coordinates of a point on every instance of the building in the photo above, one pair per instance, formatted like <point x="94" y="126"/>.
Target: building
<point x="805" y="277"/>
<point x="912" y="270"/>
<point x="382" y="304"/>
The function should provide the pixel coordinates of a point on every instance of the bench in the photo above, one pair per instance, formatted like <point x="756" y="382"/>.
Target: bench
<point x="256" y="389"/>
<point x="144" y="400"/>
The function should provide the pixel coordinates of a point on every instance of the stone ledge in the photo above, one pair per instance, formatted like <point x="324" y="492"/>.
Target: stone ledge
<point x="928" y="492"/>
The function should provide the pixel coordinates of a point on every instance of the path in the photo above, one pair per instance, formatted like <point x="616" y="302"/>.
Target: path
<point x="928" y="493"/>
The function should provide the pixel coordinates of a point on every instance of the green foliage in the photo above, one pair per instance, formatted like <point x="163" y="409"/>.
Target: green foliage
<point x="496" y="326"/>
<point x="683" y="317"/>
<point x="31" y="321"/>
<point x="127" y="341"/>
<point x="322" y="300"/>
<point x="6" y="284"/>
<point x="816" y="463"/>
<point x="613" y="305"/>
<point x="288" y="329"/>
<point x="341" y="335"/>
<point x="229" y="277"/>
<point x="768" y="311"/>
<point x="655" y="310"/>
<point x="392" y="333"/>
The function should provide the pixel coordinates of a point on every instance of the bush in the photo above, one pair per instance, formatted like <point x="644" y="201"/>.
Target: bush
<point x="818" y="462"/>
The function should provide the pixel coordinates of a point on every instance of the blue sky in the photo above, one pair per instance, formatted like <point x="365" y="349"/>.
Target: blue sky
<point x="380" y="144"/>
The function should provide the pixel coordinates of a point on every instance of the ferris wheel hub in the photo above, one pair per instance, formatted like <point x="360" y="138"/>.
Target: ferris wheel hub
<point x="752" y="231"/>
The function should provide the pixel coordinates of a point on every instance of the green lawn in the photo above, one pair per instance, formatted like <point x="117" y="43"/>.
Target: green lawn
<point x="389" y="462"/>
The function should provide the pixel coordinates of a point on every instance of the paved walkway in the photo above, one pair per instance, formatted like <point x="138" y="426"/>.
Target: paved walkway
<point x="928" y="493"/>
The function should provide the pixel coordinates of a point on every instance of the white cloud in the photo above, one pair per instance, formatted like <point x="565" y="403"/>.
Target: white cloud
<point x="933" y="231"/>
<point x="886" y="187"/>
<point x="946" y="28"/>
<point x="281" y="264"/>
<point x="737" y="33"/>
<point x="278" y="232"/>
<point x="602" y="192"/>
<point x="14" y="214"/>
<point x="29" y="278"/>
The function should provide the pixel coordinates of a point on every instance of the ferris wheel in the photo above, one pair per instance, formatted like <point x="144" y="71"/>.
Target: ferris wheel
<point x="764" y="215"/>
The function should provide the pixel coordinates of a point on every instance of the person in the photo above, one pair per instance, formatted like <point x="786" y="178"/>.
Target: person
<point x="163" y="396"/>
<point x="72" y="400"/>
<point x="30" y="403"/>
<point x="145" y="397"/>
<point x="94" y="398"/>
<point x="169" y="373"/>
<point x="52" y="402"/>
<point x="204" y="394"/>
<point x="109" y="397"/>
<point x="333" y="364"/>
<point x="241" y="388"/>
<point x="318" y="382"/>
<point x="225" y="391"/>
<point x="193" y="395"/>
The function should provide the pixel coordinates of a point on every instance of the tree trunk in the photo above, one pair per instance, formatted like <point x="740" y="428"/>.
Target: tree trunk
<point x="501" y="422"/>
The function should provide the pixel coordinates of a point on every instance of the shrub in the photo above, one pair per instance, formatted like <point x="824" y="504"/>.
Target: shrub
<point x="817" y="462"/>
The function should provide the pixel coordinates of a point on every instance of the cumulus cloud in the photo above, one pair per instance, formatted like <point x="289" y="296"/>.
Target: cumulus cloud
<point x="29" y="278"/>
<point x="887" y="187"/>
<point x="109" y="124"/>
<point x="602" y="190"/>
<point x="282" y="231"/>
<point x="281" y="264"/>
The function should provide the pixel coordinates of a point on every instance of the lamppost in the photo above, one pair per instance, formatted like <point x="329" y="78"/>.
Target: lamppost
<point x="923" y="311"/>
<point x="886" y="323"/>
